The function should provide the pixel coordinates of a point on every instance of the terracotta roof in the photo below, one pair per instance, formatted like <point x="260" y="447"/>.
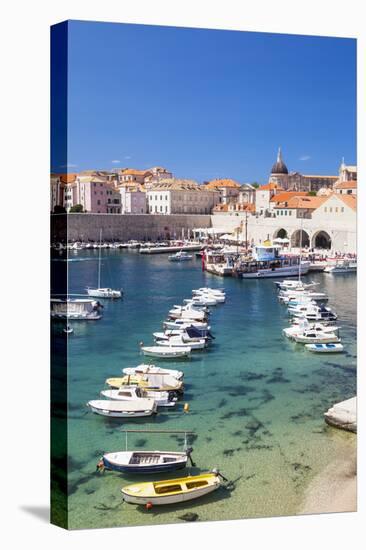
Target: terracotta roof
<point x="270" y="187"/>
<point x="287" y="195"/>
<point x="67" y="178"/>
<point x="132" y="172"/>
<point x="346" y="185"/>
<point x="224" y="182"/>
<point x="304" y="202"/>
<point x="349" y="200"/>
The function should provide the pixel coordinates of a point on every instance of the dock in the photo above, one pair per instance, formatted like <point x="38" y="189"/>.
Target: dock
<point x="169" y="249"/>
<point x="343" y="415"/>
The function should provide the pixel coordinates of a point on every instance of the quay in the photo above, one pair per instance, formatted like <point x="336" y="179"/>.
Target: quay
<point x="166" y="249"/>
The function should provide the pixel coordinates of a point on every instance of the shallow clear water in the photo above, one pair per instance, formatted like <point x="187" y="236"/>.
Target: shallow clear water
<point x="256" y="399"/>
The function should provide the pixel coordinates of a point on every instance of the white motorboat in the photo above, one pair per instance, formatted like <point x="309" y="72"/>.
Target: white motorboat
<point x="201" y="300"/>
<point x="102" y="292"/>
<point x="316" y="337"/>
<point x="131" y="393"/>
<point x="295" y="330"/>
<point x="207" y="290"/>
<point x="79" y="309"/>
<point x="294" y="285"/>
<point x="153" y="369"/>
<point x="178" y="342"/>
<point x="68" y="329"/>
<point x="180" y="256"/>
<point x="167" y="352"/>
<point x="325" y="348"/>
<point x="314" y="313"/>
<point x="187" y="312"/>
<point x="123" y="409"/>
<point x="144" y="462"/>
<point x="342" y="266"/>
<point x="288" y="295"/>
<point x="185" y="323"/>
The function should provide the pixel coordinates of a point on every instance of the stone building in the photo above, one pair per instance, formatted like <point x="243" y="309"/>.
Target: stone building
<point x="93" y="193"/>
<point x="228" y="189"/>
<point x="180" y="196"/>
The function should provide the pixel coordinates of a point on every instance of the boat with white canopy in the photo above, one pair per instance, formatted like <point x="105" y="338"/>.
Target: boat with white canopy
<point x="131" y="393"/>
<point x="123" y="409"/>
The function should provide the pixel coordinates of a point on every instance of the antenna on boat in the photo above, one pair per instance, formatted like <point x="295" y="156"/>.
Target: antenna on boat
<point x="100" y="251"/>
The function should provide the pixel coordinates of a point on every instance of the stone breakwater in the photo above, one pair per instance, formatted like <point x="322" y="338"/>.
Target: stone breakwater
<point x="124" y="227"/>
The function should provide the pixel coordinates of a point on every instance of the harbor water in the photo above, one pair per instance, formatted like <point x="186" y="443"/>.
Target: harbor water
<point x="256" y="399"/>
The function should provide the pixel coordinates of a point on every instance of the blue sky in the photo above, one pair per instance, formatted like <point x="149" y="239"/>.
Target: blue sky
<point x="207" y="103"/>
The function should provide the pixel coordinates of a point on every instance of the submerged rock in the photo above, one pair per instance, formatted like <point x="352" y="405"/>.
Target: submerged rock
<point x="189" y="516"/>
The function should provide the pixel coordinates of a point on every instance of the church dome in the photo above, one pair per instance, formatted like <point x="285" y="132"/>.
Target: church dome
<point x="279" y="166"/>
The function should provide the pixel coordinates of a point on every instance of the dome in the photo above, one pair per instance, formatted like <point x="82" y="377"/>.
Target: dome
<point x="279" y="166"/>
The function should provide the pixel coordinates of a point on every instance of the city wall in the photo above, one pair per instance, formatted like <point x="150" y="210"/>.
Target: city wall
<point x="125" y="227"/>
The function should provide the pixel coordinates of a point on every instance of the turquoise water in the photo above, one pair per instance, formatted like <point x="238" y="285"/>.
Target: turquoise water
<point x="256" y="399"/>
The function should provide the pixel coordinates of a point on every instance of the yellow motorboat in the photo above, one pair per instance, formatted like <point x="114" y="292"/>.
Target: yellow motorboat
<point x="172" y="491"/>
<point x="153" y="382"/>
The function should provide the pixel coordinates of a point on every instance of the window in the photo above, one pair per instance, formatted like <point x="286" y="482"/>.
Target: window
<point x="330" y="209"/>
<point x="290" y="212"/>
<point x="285" y="212"/>
<point x="325" y="209"/>
<point x="336" y="209"/>
<point x="98" y="202"/>
<point x="342" y="209"/>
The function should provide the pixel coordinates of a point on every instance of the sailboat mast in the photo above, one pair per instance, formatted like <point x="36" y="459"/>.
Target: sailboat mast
<point x="300" y="249"/>
<point x="100" y="258"/>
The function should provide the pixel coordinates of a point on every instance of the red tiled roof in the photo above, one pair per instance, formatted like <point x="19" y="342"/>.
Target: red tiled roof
<point x="304" y="202"/>
<point x="287" y="195"/>
<point x="346" y="185"/>
<point x="349" y="200"/>
<point x="270" y="187"/>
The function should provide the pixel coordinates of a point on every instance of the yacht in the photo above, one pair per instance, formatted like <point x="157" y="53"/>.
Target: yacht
<point x="102" y="292"/>
<point x="342" y="266"/>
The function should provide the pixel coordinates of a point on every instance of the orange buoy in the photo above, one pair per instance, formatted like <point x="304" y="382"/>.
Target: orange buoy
<point x="148" y="505"/>
<point x="186" y="407"/>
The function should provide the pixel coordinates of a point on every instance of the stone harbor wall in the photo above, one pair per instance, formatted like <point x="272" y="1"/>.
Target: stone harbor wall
<point x="144" y="227"/>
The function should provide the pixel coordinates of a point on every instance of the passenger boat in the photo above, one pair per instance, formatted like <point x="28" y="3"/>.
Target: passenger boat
<point x="316" y="337"/>
<point x="325" y="348"/>
<point x="123" y="409"/>
<point x="172" y="491"/>
<point x="78" y="309"/>
<point x="152" y="369"/>
<point x="102" y="292"/>
<point x="131" y="393"/>
<point x="168" y="352"/>
<point x="267" y="262"/>
<point x="180" y="256"/>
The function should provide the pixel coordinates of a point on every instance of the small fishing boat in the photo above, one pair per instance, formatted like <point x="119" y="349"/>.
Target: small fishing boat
<point x="152" y="369"/>
<point x="153" y="382"/>
<point x="180" y="256"/>
<point x="325" y="348"/>
<point x="131" y="393"/>
<point x="167" y="352"/>
<point x="172" y="491"/>
<point x="179" y="342"/>
<point x="185" y="323"/>
<point x="123" y="409"/>
<point x="316" y="337"/>
<point x="68" y="329"/>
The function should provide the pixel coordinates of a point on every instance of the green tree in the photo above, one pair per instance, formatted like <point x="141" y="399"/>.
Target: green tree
<point x="255" y="184"/>
<point x="312" y="194"/>
<point x="77" y="208"/>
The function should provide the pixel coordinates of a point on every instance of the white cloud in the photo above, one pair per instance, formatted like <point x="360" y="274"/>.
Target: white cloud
<point x="127" y="157"/>
<point x="305" y="157"/>
<point x="115" y="161"/>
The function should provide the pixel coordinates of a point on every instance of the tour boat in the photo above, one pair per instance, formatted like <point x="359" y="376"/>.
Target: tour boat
<point x="144" y="462"/>
<point x="325" y="348"/>
<point x="152" y="369"/>
<point x="102" y="292"/>
<point x="123" y="409"/>
<point x="153" y="382"/>
<point x="172" y="491"/>
<point x="167" y="352"/>
<point x="79" y="309"/>
<point x="180" y="256"/>
<point x="131" y="393"/>
<point x="267" y="262"/>
<point x="175" y="342"/>
<point x="316" y="337"/>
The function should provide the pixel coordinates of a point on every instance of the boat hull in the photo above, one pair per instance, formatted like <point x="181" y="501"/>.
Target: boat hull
<point x="170" y="499"/>
<point x="289" y="271"/>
